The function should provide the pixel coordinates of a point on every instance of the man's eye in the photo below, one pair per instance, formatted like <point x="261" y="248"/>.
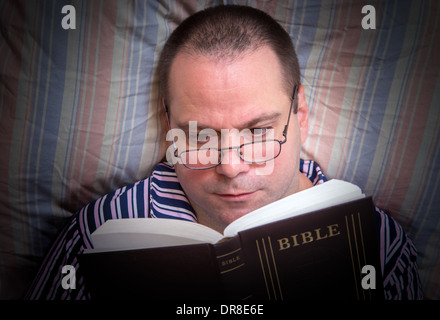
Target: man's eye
<point x="204" y="137"/>
<point x="259" y="132"/>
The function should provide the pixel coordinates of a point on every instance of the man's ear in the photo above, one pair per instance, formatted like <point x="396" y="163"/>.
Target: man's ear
<point x="303" y="114"/>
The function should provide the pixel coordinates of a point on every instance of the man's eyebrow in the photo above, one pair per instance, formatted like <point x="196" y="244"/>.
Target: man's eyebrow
<point x="264" y="118"/>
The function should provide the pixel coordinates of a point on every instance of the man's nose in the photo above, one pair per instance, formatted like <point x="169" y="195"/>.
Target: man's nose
<point x="231" y="164"/>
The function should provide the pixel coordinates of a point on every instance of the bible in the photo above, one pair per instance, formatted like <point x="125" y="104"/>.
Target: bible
<point x="320" y="243"/>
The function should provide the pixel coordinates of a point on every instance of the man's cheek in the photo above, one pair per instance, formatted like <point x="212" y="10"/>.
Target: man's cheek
<point x="265" y="169"/>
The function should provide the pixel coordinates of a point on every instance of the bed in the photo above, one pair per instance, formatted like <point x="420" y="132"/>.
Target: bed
<point x="79" y="112"/>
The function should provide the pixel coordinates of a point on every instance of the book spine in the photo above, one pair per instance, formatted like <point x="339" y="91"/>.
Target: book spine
<point x="233" y="269"/>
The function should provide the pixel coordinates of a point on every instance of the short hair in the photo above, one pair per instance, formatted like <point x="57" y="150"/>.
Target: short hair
<point x="225" y="32"/>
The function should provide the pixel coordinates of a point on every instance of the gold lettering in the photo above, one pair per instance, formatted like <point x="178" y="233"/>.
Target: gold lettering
<point x="318" y="234"/>
<point x="309" y="236"/>
<point x="229" y="261"/>
<point x="295" y="240"/>
<point x="284" y="243"/>
<point x="306" y="237"/>
<point x="333" y="230"/>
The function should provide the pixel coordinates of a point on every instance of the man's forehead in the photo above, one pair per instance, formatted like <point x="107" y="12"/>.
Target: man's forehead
<point x="265" y="118"/>
<point x="195" y="65"/>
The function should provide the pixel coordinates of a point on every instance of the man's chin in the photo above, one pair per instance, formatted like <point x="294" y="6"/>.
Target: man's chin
<point x="226" y="217"/>
<point x="222" y="210"/>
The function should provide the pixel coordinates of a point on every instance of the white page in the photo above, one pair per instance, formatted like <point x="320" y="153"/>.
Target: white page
<point x="150" y="233"/>
<point x="328" y="194"/>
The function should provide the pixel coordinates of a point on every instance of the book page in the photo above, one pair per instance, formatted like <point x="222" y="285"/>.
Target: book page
<point x="119" y="234"/>
<point x="324" y="195"/>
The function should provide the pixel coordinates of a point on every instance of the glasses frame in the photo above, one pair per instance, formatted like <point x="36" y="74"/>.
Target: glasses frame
<point x="240" y="153"/>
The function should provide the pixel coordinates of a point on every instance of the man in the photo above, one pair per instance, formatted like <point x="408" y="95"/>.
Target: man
<point x="230" y="70"/>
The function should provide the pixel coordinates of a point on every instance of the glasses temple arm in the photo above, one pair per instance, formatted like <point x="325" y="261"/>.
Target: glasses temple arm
<point x="290" y="111"/>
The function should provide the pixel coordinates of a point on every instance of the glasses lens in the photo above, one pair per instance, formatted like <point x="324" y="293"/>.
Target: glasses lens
<point x="203" y="158"/>
<point x="260" y="151"/>
<point x="256" y="152"/>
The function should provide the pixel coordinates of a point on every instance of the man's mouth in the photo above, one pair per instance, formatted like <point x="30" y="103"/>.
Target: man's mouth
<point x="236" y="196"/>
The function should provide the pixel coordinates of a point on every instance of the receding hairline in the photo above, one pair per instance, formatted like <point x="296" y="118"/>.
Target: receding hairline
<point x="229" y="59"/>
<point x="225" y="56"/>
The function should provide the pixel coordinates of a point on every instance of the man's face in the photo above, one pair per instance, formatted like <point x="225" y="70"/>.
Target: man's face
<point x="247" y="93"/>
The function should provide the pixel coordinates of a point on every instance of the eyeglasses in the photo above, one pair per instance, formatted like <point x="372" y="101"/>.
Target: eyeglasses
<point x="258" y="152"/>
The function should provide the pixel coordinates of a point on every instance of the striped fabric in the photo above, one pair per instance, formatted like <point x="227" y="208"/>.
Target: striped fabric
<point x="79" y="112"/>
<point x="161" y="196"/>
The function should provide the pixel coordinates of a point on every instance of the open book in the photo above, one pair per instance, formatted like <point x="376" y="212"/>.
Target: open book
<point x="150" y="233"/>
<point x="314" y="243"/>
